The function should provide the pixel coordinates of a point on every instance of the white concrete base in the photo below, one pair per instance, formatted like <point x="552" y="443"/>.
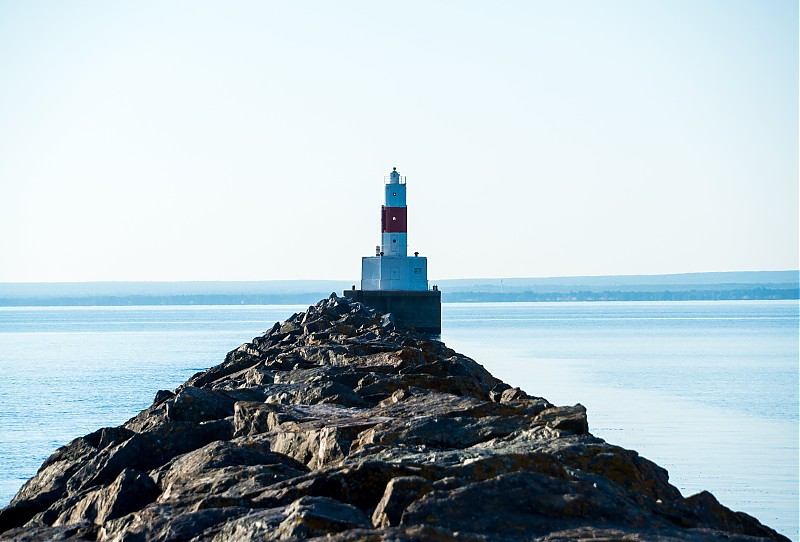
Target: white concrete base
<point x="394" y="273"/>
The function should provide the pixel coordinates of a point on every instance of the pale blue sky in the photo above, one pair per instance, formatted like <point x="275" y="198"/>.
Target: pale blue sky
<point x="248" y="140"/>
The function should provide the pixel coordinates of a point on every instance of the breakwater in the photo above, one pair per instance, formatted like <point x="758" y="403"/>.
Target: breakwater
<point x="333" y="399"/>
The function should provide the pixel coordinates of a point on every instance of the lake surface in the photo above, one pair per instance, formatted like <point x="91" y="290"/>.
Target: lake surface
<point x="708" y="390"/>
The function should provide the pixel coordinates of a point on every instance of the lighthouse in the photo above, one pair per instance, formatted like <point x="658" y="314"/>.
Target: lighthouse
<point x="391" y="268"/>
<point x="392" y="281"/>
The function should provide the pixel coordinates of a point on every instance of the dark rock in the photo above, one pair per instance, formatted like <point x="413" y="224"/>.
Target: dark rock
<point x="496" y="393"/>
<point x="642" y="478"/>
<point x="711" y="514"/>
<point x="512" y="394"/>
<point x="399" y="493"/>
<point x="571" y="419"/>
<point x="316" y="444"/>
<point x="510" y="505"/>
<point x="484" y="468"/>
<point x="253" y="527"/>
<point x="38" y="533"/>
<point x="216" y="468"/>
<point x="162" y="395"/>
<point x="441" y="432"/>
<point x="146" y="451"/>
<point x="251" y="418"/>
<point x="408" y="533"/>
<point x="162" y="523"/>
<point x="237" y="360"/>
<point x="50" y="483"/>
<point x="313" y="393"/>
<point x="319" y="516"/>
<point x="335" y="425"/>
<point x="199" y="405"/>
<point x="131" y="491"/>
<point x="361" y="485"/>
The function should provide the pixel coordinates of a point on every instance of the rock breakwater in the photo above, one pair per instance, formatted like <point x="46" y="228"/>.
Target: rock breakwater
<point x="335" y="425"/>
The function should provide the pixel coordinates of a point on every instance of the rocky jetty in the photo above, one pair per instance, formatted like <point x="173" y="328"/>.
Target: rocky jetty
<point x="336" y="426"/>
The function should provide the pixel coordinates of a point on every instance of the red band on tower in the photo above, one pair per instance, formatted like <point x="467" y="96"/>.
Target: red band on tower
<point x="394" y="220"/>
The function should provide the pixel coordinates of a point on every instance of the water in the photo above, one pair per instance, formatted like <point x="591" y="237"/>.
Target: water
<point x="708" y="390"/>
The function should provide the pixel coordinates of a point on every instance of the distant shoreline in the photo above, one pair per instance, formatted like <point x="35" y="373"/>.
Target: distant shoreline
<point x="754" y="294"/>
<point x="717" y="286"/>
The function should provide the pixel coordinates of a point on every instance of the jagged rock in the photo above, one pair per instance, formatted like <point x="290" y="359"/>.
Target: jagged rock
<point x="510" y="394"/>
<point x="50" y="483"/>
<point x="399" y="493"/>
<point x="251" y="418"/>
<point x="520" y="503"/>
<point x="77" y="531"/>
<point x="131" y="491"/>
<point x="227" y="471"/>
<point x="361" y="485"/>
<point x="412" y="533"/>
<point x="146" y="451"/>
<point x="253" y="527"/>
<point x="335" y="425"/>
<point x="711" y="514"/>
<point x="566" y="418"/>
<point x="441" y="432"/>
<point x="319" y="516"/>
<point x="162" y="395"/>
<point x="161" y="522"/>
<point x="316" y="444"/>
<point x="305" y="518"/>
<point x="199" y="405"/>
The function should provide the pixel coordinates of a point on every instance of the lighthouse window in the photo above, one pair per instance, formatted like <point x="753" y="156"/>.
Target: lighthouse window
<point x="394" y="240"/>
<point x="394" y="218"/>
<point x="394" y="193"/>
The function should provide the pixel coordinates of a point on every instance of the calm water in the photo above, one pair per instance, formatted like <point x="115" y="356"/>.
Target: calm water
<point x="707" y="390"/>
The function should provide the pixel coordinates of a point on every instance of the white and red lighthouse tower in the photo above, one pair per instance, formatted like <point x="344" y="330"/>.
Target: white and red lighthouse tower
<point x="394" y="217"/>
<point x="392" y="281"/>
<point x="391" y="268"/>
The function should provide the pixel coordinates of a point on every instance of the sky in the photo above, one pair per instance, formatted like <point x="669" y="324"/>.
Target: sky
<point x="197" y="140"/>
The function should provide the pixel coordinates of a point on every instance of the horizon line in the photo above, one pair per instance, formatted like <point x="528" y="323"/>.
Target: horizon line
<point x="145" y="281"/>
